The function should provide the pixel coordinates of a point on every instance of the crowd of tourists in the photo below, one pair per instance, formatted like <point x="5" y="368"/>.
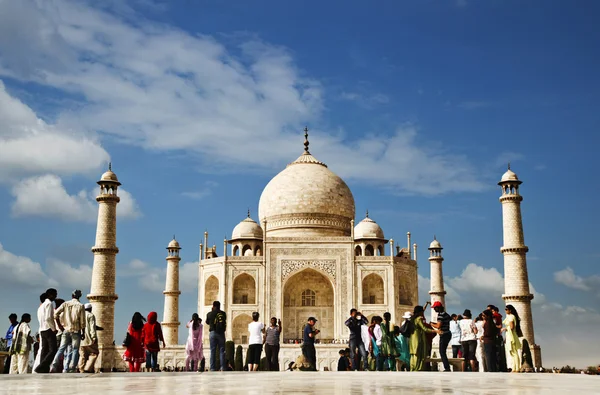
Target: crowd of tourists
<point x="68" y="340"/>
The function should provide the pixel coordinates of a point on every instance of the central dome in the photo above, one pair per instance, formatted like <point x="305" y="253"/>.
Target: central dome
<point x="306" y="199"/>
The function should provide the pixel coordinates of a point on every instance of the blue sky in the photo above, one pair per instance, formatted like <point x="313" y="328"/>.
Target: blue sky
<point x="198" y="104"/>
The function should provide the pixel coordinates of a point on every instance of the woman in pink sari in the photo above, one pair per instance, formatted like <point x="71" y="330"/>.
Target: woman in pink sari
<point x="193" y="346"/>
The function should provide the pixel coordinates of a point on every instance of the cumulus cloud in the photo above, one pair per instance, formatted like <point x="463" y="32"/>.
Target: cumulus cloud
<point x="28" y="145"/>
<point x="46" y="196"/>
<point x="568" y="278"/>
<point x="23" y="273"/>
<point x="478" y="279"/>
<point x="165" y="89"/>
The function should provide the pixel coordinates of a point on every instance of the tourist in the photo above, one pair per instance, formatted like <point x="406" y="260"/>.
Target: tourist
<point x="193" y="347"/>
<point x="20" y="348"/>
<point x="153" y="335"/>
<point x="308" y="343"/>
<point x="272" y="338"/>
<point x="57" y="303"/>
<point x="47" y="331"/>
<point x="418" y="340"/>
<point x="72" y="314"/>
<point x="217" y="324"/>
<point x="490" y="333"/>
<point x="455" y="341"/>
<point x="256" y="330"/>
<point x="9" y="336"/>
<point x="343" y="362"/>
<point x="512" y="327"/>
<point x="388" y="349"/>
<point x="500" y="351"/>
<point x="443" y="324"/>
<point x="468" y="336"/>
<point x="376" y="340"/>
<point x="88" y="351"/>
<point x="355" y="324"/>
<point x="479" y="353"/>
<point x="38" y="355"/>
<point x="134" y="343"/>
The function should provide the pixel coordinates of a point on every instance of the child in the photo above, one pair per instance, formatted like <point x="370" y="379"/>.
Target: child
<point x="343" y="364"/>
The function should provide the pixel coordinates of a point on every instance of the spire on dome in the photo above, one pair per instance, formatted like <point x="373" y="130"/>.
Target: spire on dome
<point x="110" y="166"/>
<point x="367" y="215"/>
<point x="508" y="165"/>
<point x="248" y="212"/>
<point x="306" y="143"/>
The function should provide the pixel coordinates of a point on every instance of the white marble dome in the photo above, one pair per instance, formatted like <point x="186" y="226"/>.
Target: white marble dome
<point x="174" y="244"/>
<point x="368" y="229"/>
<point x="307" y="199"/>
<point x="247" y="229"/>
<point x="435" y="245"/>
<point x="509" y="176"/>
<point x="109" y="176"/>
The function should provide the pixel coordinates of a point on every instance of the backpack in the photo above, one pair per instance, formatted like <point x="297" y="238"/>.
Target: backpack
<point x="219" y="322"/>
<point x="407" y="328"/>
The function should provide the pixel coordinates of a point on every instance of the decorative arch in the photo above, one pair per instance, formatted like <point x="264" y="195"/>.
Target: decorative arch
<point x="247" y="250"/>
<point x="211" y="290"/>
<point x="308" y="286"/>
<point x="236" y="251"/>
<point x="257" y="251"/>
<point x="244" y="289"/>
<point x="372" y="289"/>
<point x="369" y="250"/>
<point x="358" y="251"/>
<point x="239" y="328"/>
<point x="380" y="250"/>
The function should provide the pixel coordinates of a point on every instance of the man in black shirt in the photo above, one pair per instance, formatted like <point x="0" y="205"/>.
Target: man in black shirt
<point x="308" y="342"/>
<point x="443" y="324"/>
<point x="355" y="323"/>
<point x="217" y="321"/>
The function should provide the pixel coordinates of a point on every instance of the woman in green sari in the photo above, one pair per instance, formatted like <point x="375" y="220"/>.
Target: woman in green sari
<point x="418" y="340"/>
<point x="388" y="349"/>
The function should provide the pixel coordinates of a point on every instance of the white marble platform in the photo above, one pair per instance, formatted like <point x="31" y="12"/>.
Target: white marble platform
<point x="334" y="383"/>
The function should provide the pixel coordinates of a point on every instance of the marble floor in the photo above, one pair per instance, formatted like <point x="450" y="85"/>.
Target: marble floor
<point x="334" y="383"/>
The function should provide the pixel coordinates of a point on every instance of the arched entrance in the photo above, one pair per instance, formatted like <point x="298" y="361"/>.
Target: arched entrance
<point x="305" y="294"/>
<point x="239" y="328"/>
<point x="211" y="291"/>
<point x="244" y="289"/>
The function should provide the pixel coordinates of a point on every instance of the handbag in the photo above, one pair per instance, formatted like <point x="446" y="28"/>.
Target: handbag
<point x="127" y="340"/>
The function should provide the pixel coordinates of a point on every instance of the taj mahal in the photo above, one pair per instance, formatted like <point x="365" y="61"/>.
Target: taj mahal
<point x="307" y="255"/>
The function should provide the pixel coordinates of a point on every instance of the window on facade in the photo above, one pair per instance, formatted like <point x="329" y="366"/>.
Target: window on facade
<point x="309" y="298"/>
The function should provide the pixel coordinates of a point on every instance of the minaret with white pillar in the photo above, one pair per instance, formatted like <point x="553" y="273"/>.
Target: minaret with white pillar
<point x="171" y="313"/>
<point x="437" y="292"/>
<point x="102" y="294"/>
<point x="516" y="279"/>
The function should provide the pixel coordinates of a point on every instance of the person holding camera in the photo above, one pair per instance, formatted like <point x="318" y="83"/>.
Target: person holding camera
<point x="354" y="324"/>
<point x="308" y="342"/>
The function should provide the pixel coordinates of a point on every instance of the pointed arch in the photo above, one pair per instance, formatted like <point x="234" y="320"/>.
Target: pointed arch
<point x="211" y="290"/>
<point x="247" y="250"/>
<point x="244" y="289"/>
<point x="372" y="289"/>
<point x="236" y="251"/>
<point x="369" y="250"/>
<point x="358" y="251"/>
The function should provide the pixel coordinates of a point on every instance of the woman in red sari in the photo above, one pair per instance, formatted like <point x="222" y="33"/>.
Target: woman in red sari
<point x="134" y="354"/>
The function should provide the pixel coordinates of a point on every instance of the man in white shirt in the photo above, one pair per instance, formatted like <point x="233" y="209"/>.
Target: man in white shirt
<point x="72" y="314"/>
<point x="45" y="315"/>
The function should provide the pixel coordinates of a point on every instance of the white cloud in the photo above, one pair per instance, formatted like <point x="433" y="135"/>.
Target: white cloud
<point x="28" y="145"/>
<point x="478" y="279"/>
<point x="452" y="296"/>
<point x="205" y="191"/>
<point x="568" y="278"/>
<point x="18" y="271"/>
<point x="72" y="277"/>
<point x="46" y="196"/>
<point x="164" y="89"/>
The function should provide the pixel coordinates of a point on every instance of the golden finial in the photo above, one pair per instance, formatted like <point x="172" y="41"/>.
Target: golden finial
<point x="109" y="166"/>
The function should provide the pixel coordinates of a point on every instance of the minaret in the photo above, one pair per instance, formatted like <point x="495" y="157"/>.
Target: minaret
<point x="171" y="313"/>
<point x="102" y="293"/>
<point x="437" y="292"/>
<point x="516" y="280"/>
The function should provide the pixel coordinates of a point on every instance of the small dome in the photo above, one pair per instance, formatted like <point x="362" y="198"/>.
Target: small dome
<point x="109" y="176"/>
<point x="247" y="229"/>
<point x="368" y="229"/>
<point x="435" y="245"/>
<point x="509" y="176"/>
<point x="174" y="244"/>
